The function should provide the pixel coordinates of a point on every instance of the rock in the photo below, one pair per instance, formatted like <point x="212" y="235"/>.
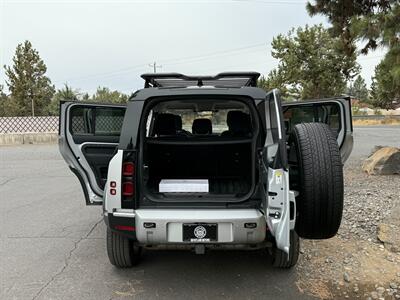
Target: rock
<point x="380" y="290"/>
<point x="329" y="260"/>
<point x="346" y="277"/>
<point x="374" y="295"/>
<point x="388" y="232"/>
<point x="385" y="161"/>
<point x="393" y="285"/>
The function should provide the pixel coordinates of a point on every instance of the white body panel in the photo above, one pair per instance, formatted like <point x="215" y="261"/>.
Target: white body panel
<point x="112" y="202"/>
<point x="231" y="228"/>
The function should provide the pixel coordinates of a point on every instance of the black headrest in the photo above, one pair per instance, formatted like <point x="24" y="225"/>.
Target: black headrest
<point x="165" y="124"/>
<point x="178" y="122"/>
<point x="202" y="126"/>
<point x="238" y="122"/>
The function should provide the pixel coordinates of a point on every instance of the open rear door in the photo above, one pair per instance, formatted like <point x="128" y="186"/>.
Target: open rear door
<point x="278" y="203"/>
<point x="336" y="112"/>
<point x="88" y="138"/>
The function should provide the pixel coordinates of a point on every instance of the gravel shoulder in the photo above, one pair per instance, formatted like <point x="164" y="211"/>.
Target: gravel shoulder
<point x="356" y="264"/>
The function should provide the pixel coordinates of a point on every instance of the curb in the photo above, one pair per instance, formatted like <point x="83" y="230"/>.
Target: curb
<point x="28" y="138"/>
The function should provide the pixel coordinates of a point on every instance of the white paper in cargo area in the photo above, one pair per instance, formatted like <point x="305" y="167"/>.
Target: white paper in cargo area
<point x="183" y="186"/>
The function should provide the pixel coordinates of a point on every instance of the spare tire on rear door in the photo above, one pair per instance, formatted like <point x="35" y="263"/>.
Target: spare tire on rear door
<point x="317" y="173"/>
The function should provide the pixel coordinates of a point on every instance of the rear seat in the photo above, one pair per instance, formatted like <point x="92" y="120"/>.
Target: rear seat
<point x="180" y="131"/>
<point x="239" y="124"/>
<point x="202" y="126"/>
<point x="164" y="124"/>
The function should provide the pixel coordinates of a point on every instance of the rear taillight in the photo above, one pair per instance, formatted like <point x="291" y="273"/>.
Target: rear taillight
<point x="128" y="169"/>
<point x="128" y="179"/>
<point x="128" y="189"/>
<point x="124" y="227"/>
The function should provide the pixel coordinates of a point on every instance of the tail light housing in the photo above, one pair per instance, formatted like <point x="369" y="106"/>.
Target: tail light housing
<point x="128" y="180"/>
<point x="128" y="189"/>
<point x="128" y="169"/>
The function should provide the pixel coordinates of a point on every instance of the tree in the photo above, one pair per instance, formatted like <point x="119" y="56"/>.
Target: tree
<point x="275" y="80"/>
<point x="339" y="14"/>
<point x="64" y="94"/>
<point x="374" y="21"/>
<point x="105" y="95"/>
<point x="310" y="64"/>
<point x="359" y="89"/>
<point x="6" y="106"/>
<point x="353" y="19"/>
<point x="31" y="91"/>
<point x="385" y="88"/>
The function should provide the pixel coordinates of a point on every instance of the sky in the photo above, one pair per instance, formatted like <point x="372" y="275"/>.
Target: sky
<point x="92" y="43"/>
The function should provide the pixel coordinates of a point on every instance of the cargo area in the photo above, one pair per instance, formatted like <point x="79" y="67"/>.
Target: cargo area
<point x="227" y="167"/>
<point x="208" y="141"/>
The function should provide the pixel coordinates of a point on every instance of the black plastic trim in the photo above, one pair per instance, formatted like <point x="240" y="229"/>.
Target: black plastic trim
<point x="111" y="221"/>
<point x="85" y="191"/>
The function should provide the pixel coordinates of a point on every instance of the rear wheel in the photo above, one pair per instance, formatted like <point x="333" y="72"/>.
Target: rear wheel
<point x="280" y="258"/>
<point x="317" y="173"/>
<point x="122" y="252"/>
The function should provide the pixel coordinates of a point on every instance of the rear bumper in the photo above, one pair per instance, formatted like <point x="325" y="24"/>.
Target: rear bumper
<point x="167" y="224"/>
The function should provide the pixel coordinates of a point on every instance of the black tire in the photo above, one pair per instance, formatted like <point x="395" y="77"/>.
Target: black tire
<point x="280" y="258"/>
<point x="319" y="180"/>
<point x="122" y="252"/>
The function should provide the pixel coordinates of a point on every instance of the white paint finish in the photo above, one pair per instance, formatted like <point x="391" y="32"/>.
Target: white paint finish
<point x="230" y="224"/>
<point x="203" y="214"/>
<point x="278" y="205"/>
<point x="114" y="174"/>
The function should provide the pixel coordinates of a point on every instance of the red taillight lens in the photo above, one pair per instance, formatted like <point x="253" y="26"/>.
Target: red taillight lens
<point x="128" y="168"/>
<point x="124" y="227"/>
<point x="127" y="189"/>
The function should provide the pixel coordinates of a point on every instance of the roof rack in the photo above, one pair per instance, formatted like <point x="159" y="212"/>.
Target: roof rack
<point x="177" y="80"/>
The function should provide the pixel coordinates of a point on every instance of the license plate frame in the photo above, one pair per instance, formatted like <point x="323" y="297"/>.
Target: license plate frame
<point x="200" y="232"/>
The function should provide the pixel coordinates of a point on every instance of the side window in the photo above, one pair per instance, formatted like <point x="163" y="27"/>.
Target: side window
<point x="315" y="112"/>
<point x="100" y="121"/>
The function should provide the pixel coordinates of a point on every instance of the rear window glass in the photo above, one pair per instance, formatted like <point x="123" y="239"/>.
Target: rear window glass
<point x="218" y="118"/>
<point x="200" y="118"/>
<point x="96" y="120"/>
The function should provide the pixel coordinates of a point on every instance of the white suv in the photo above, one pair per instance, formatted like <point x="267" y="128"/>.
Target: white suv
<point x="210" y="162"/>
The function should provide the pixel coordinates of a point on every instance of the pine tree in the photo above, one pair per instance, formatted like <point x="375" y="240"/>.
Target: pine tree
<point x="310" y="64"/>
<point x="385" y="89"/>
<point x="358" y="89"/>
<point x="31" y="90"/>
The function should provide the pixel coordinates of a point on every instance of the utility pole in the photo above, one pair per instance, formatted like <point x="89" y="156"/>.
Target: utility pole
<point x="154" y="66"/>
<point x="32" y="104"/>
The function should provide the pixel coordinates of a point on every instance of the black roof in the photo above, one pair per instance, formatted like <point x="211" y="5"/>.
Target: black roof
<point x="177" y="80"/>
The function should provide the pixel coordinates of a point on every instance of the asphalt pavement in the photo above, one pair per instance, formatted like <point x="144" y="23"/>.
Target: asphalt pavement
<point x="53" y="247"/>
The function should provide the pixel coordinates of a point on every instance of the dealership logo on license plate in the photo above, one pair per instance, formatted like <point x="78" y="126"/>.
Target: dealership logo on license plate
<point x="200" y="232"/>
